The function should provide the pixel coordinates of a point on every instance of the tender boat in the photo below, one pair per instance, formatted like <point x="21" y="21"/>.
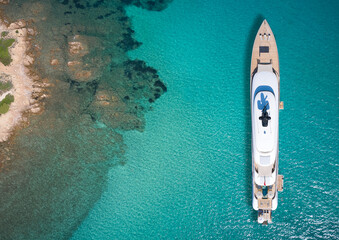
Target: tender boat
<point x="265" y="105"/>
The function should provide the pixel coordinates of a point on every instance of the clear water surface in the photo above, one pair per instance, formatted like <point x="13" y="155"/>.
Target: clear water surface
<point x="188" y="175"/>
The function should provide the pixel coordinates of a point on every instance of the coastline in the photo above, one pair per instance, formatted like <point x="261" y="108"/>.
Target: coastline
<point x="27" y="87"/>
<point x="97" y="94"/>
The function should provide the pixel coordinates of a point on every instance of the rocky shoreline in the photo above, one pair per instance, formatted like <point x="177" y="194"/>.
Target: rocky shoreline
<point x="27" y="88"/>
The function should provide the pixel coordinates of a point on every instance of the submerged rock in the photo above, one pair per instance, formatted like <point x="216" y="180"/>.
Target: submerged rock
<point x="78" y="48"/>
<point x="54" y="62"/>
<point x="154" y="5"/>
<point x="131" y="86"/>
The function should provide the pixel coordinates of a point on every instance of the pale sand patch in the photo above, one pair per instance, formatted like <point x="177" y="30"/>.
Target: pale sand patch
<point x="22" y="84"/>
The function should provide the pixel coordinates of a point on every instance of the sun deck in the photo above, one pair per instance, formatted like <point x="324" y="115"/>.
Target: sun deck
<point x="265" y="51"/>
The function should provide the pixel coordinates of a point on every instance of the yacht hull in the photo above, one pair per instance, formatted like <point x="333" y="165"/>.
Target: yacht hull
<point x="265" y="105"/>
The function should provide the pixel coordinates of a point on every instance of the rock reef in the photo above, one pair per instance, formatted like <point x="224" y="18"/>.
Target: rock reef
<point x="55" y="166"/>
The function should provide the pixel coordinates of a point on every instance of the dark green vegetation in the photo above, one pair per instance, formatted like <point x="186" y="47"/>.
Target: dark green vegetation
<point x="5" y="86"/>
<point x="4" y="34"/>
<point x="5" y="57"/>
<point x="4" y="104"/>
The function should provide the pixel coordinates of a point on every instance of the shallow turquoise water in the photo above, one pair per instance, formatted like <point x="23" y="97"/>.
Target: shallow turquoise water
<point x="188" y="174"/>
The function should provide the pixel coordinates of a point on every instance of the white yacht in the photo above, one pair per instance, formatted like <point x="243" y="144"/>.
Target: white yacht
<point x="265" y="105"/>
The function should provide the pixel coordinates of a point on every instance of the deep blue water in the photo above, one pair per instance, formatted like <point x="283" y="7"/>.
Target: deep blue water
<point x="188" y="175"/>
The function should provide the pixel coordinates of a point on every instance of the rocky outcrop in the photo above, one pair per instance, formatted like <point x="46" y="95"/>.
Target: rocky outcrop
<point x="25" y="95"/>
<point x="4" y="1"/>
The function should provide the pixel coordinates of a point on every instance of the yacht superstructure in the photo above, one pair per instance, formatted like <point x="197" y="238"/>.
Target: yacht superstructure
<point x="265" y="105"/>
